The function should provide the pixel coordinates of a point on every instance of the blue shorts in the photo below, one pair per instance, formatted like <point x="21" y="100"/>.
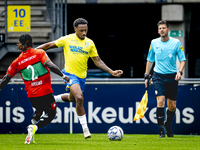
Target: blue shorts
<point x="165" y="85"/>
<point x="73" y="79"/>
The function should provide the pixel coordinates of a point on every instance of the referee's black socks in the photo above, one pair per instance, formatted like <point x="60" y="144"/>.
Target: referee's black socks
<point x="160" y="117"/>
<point x="170" y="116"/>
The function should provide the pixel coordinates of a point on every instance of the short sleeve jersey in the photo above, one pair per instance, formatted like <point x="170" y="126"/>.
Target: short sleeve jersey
<point x="77" y="53"/>
<point x="36" y="76"/>
<point x="164" y="54"/>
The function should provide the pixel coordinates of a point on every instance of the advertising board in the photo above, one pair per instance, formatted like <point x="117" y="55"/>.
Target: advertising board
<point x="105" y="105"/>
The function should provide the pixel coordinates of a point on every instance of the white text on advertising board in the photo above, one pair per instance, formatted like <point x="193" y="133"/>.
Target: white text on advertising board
<point x="97" y="115"/>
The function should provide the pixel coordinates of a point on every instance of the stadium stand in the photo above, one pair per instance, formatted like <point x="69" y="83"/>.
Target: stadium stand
<point x="40" y="30"/>
<point x="40" y="25"/>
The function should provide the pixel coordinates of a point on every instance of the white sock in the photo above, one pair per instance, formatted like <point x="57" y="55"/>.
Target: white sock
<point x="83" y="121"/>
<point x="36" y="128"/>
<point x="59" y="99"/>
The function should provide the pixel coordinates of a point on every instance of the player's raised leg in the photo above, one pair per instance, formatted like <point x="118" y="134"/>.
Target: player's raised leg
<point x="66" y="97"/>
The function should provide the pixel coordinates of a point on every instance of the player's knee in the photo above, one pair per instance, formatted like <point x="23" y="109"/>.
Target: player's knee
<point x="160" y="102"/>
<point x="172" y="108"/>
<point x="79" y="99"/>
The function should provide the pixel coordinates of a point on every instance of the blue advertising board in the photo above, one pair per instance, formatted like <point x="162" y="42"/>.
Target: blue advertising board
<point x="105" y="105"/>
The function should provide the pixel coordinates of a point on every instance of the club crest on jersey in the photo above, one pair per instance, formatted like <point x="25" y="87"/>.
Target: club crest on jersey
<point x="86" y="44"/>
<point x="53" y="106"/>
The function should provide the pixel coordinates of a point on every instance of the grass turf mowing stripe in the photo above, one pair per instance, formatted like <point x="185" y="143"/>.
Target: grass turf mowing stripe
<point x="99" y="142"/>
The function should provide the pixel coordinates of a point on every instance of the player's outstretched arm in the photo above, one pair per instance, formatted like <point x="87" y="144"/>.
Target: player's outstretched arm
<point x="4" y="81"/>
<point x="56" y="70"/>
<point x="101" y="65"/>
<point x="47" y="46"/>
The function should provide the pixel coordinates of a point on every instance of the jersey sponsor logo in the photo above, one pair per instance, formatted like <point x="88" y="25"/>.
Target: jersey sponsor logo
<point x="77" y="49"/>
<point x="150" y="47"/>
<point x="36" y="83"/>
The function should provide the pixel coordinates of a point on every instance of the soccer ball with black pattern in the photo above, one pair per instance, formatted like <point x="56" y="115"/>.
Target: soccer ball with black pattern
<point x="115" y="133"/>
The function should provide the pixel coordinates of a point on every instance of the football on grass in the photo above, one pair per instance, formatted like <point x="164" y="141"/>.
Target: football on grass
<point x="115" y="133"/>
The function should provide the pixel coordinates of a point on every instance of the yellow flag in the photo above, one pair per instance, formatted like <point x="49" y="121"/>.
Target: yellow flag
<point x="142" y="107"/>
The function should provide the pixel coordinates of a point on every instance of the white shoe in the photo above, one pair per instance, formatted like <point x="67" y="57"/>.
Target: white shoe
<point x="87" y="133"/>
<point x="31" y="132"/>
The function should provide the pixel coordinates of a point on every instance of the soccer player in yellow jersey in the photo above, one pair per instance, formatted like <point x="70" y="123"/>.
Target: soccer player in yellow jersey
<point x="77" y="50"/>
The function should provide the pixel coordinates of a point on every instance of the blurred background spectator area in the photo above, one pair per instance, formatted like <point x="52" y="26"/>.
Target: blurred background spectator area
<point x="122" y="30"/>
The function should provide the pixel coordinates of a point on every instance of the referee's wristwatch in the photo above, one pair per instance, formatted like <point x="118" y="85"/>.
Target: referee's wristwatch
<point x="181" y="72"/>
<point x="146" y="76"/>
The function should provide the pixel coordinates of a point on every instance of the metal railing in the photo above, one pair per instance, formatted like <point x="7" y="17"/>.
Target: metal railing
<point x="4" y="12"/>
<point x="57" y="10"/>
<point x="195" y="81"/>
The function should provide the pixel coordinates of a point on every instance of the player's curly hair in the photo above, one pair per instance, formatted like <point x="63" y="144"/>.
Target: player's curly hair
<point x="25" y="40"/>
<point x="79" y="21"/>
<point x="163" y="22"/>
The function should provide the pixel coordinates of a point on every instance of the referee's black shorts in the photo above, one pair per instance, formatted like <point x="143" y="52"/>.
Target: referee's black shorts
<point x="165" y="85"/>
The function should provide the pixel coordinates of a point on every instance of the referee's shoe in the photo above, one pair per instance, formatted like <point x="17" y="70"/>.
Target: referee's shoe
<point x="168" y="129"/>
<point x="162" y="133"/>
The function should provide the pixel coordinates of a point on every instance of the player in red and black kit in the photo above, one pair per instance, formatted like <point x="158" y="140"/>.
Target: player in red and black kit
<point x="33" y="66"/>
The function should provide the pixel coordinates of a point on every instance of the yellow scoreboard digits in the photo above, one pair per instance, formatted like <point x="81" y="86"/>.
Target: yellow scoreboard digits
<point x="18" y="19"/>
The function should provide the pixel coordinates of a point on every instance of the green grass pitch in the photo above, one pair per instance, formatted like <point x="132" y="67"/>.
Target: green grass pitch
<point x="99" y="142"/>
